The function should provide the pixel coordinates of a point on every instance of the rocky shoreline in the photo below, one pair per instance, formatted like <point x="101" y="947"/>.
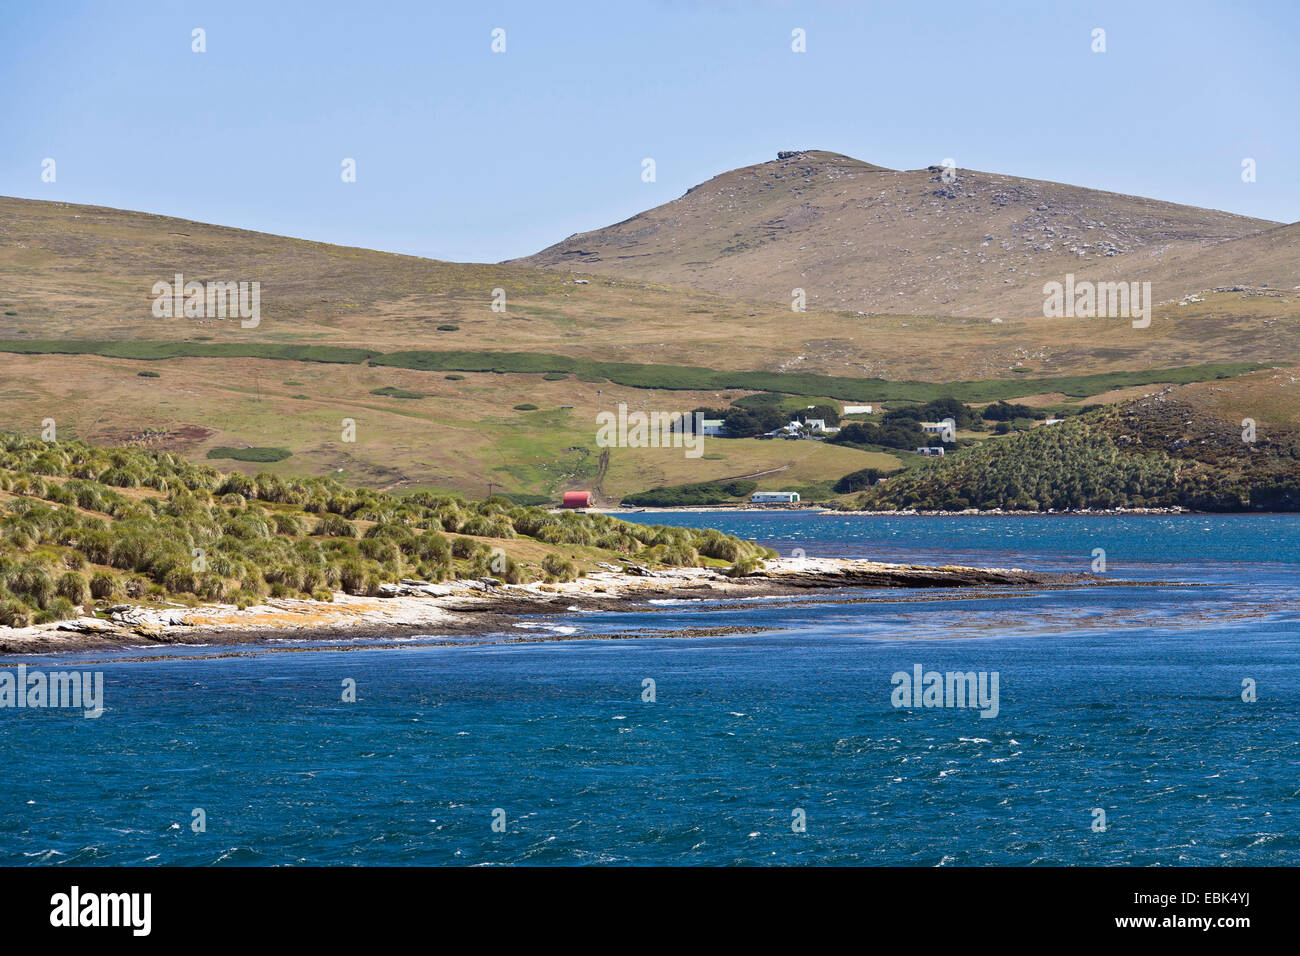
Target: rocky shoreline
<point x="907" y="512"/>
<point x="485" y="606"/>
<point x="1012" y="513"/>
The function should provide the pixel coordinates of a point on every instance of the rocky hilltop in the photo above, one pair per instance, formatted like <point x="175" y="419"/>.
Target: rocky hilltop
<point x="856" y="236"/>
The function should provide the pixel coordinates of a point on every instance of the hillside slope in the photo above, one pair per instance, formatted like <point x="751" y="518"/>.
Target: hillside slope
<point x="450" y="404"/>
<point x="859" y="237"/>
<point x="1158" y="451"/>
<point x="74" y="266"/>
<point x="1268" y="259"/>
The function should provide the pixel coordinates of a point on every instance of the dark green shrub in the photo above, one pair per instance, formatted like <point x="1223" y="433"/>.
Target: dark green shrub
<point x="698" y="493"/>
<point x="255" y="454"/>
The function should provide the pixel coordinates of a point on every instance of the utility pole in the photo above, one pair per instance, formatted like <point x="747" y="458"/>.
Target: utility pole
<point x="491" y="485"/>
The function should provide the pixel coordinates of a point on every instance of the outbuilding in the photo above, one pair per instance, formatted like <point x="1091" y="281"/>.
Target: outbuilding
<point x="576" y="499"/>
<point x="774" y="497"/>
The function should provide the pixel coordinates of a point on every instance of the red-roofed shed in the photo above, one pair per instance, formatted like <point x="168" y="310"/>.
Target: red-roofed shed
<point x="577" y="499"/>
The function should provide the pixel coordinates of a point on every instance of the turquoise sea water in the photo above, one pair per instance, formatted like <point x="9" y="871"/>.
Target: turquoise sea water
<point x="1125" y="699"/>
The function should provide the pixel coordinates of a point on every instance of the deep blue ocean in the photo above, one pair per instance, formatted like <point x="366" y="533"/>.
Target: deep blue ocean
<point x="1124" y="699"/>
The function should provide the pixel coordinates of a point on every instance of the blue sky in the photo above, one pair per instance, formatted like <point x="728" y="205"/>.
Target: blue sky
<point x="469" y="155"/>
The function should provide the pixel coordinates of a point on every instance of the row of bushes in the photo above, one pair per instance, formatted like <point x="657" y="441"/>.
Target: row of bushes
<point x="642" y="375"/>
<point x="696" y="493"/>
<point x="798" y="383"/>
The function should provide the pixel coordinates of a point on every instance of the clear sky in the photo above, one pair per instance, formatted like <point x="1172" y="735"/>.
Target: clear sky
<point x="466" y="154"/>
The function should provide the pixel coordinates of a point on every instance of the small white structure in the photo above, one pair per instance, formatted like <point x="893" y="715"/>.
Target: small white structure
<point x="1053" y="421"/>
<point x="857" y="409"/>
<point x="712" y="426"/>
<point x="816" y="424"/>
<point x="932" y="428"/>
<point x="931" y="451"/>
<point x="774" y="497"/>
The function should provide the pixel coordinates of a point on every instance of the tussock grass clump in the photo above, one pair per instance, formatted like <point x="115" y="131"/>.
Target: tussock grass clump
<point x="105" y="525"/>
<point x="750" y="564"/>
<point x="14" y="613"/>
<point x="558" y="568"/>
<point x="335" y="526"/>
<point x="74" y="587"/>
<point x="103" y="585"/>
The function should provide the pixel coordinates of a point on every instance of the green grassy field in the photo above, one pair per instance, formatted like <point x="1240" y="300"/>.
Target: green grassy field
<point x="462" y="435"/>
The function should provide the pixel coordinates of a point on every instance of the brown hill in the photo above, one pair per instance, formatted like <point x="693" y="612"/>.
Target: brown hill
<point x="860" y="237"/>
<point x="88" y="270"/>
